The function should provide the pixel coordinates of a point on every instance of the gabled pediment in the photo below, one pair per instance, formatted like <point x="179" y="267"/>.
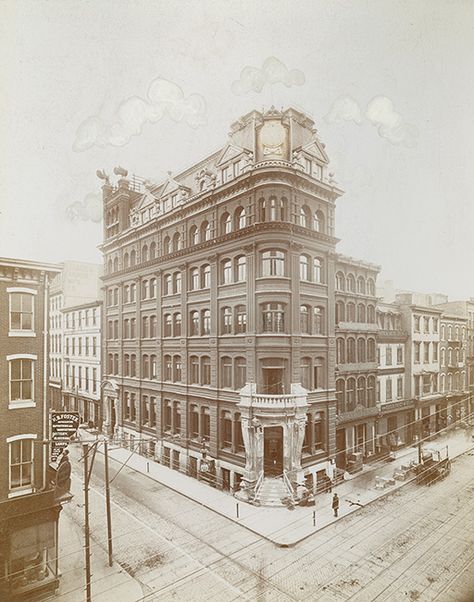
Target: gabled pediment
<point x="230" y="151"/>
<point x="316" y="149"/>
<point x="148" y="198"/>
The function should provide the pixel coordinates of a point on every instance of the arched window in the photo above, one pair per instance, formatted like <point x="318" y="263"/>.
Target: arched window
<point x="226" y="223"/>
<point x="318" y="320"/>
<point x="194" y="279"/>
<point x="361" y="390"/>
<point x="133" y="365"/>
<point x="340" y="395"/>
<point x="351" y="283"/>
<point x="126" y="261"/>
<point x="116" y="264"/>
<point x="340" y="351"/>
<point x="370" y="314"/>
<point x="194" y="323"/>
<point x="340" y="282"/>
<point x="304" y="319"/>
<point x="340" y="312"/>
<point x="167" y="284"/>
<point x="194" y="370"/>
<point x="305" y="216"/>
<point x="240" y="319"/>
<point x="371" y="391"/>
<point x="167" y="367"/>
<point x="371" y="287"/>
<point x="305" y="371"/>
<point x="133" y="258"/>
<point x="350" y="394"/>
<point x="226" y="270"/>
<point x="153" y="323"/>
<point x="206" y="322"/>
<point x="193" y="235"/>
<point x="371" y="350"/>
<point x="443" y="383"/>
<point x="109" y="266"/>
<point x="145" y="366"/>
<point x="317" y="270"/>
<point x="176" y="283"/>
<point x="177" y="371"/>
<point x="205" y="231"/>
<point x="443" y="357"/>
<point x="126" y="365"/>
<point x="273" y="263"/>
<point x="166" y="245"/>
<point x="304" y="267"/>
<point x="153" y="288"/>
<point x="226" y="372"/>
<point x="205" y="370"/>
<point x="240" y="268"/>
<point x="153" y="250"/>
<point x="361" y="313"/>
<point x="271" y="210"/>
<point x="167" y="321"/>
<point x="239" y="218"/>
<point x="240" y="372"/>
<point x="226" y="320"/>
<point x="176" y="241"/>
<point x="145" y="255"/>
<point x="361" y="285"/>
<point x="273" y="315"/>
<point x="319" y="222"/>
<point x="351" y="351"/>
<point x="205" y="276"/>
<point x="177" y="324"/>
<point x="350" y="312"/>
<point x="145" y="289"/>
<point x="361" y="350"/>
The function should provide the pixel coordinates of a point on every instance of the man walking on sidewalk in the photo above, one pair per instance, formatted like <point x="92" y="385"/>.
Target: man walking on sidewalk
<point x="335" y="504"/>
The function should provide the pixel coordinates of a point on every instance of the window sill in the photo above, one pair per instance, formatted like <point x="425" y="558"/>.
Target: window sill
<point x="21" y="333"/>
<point x="15" y="405"/>
<point x="20" y="492"/>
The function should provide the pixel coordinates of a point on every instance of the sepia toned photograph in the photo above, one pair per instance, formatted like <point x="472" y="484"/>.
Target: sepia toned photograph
<point x="236" y="301"/>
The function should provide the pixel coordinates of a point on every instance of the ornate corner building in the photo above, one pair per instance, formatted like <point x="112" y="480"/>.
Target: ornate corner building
<point x="219" y="316"/>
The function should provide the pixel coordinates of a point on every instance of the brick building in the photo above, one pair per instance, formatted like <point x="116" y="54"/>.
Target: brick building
<point x="28" y="511"/>
<point x="219" y="319"/>
<point x="356" y="359"/>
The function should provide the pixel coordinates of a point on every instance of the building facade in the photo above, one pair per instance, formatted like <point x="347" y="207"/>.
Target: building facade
<point x="396" y="420"/>
<point x="356" y="360"/>
<point x="81" y="385"/>
<point x="219" y="319"/>
<point x="76" y="284"/>
<point x="28" y="510"/>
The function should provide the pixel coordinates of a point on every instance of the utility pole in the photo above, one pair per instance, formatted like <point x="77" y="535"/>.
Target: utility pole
<point x="87" y="546"/>
<point x="107" y="501"/>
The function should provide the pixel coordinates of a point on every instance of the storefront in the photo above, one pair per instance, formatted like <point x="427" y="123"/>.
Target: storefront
<point x="29" y="546"/>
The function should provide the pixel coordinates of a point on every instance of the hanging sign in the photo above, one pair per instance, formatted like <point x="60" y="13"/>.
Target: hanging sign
<point x="64" y="427"/>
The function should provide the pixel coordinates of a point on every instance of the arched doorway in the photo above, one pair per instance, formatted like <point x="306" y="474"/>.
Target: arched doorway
<point x="273" y="450"/>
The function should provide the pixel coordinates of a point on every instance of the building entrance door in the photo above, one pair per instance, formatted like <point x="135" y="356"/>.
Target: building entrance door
<point x="273" y="450"/>
<point x="273" y="381"/>
<point x="341" y="448"/>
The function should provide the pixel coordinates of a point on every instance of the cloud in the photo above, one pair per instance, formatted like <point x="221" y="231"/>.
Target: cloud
<point x="273" y="71"/>
<point x="344" y="108"/>
<point x="89" y="209"/>
<point x="390" y="124"/>
<point x="164" y="98"/>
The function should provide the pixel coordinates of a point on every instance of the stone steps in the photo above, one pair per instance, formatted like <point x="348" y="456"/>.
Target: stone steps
<point x="272" y="492"/>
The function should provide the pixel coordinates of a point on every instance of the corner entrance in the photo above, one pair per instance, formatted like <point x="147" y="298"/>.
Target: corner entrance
<point x="273" y="450"/>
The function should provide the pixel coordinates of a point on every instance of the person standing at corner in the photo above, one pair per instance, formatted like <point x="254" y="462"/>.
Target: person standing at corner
<point x="335" y="504"/>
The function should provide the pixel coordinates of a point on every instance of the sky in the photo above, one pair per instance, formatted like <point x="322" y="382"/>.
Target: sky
<point x="154" y="85"/>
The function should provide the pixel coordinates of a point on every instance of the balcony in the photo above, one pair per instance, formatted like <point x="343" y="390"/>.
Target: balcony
<point x="269" y="404"/>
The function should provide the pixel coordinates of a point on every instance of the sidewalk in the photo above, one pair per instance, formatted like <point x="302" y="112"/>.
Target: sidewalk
<point x="107" y="582"/>
<point x="280" y="525"/>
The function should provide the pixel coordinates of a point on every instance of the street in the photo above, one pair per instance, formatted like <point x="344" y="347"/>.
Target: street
<point x="416" y="544"/>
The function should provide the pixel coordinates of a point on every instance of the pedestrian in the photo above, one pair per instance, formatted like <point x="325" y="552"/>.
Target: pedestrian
<point x="335" y="504"/>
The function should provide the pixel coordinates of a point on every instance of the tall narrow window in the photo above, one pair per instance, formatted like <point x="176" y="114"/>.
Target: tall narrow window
<point x="206" y="322"/>
<point x="304" y="319"/>
<point x="21" y="380"/>
<point x="240" y="268"/>
<point x="226" y="271"/>
<point x="240" y="319"/>
<point x="226" y="320"/>
<point x="240" y="372"/>
<point x="21" y="455"/>
<point x="304" y="267"/>
<point x="317" y="270"/>
<point x="205" y="276"/>
<point x="21" y="311"/>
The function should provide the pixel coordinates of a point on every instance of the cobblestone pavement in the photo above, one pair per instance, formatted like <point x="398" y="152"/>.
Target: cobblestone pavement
<point x="416" y="544"/>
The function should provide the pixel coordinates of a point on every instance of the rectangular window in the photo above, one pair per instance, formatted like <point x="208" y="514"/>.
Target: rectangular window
<point x="427" y="353"/>
<point x="388" y="356"/>
<point x="21" y="464"/>
<point x="94" y="380"/>
<point x="388" y="389"/>
<point x="417" y="353"/>
<point x="21" y="312"/>
<point x="399" y="355"/>
<point x="21" y="380"/>
<point x="400" y="387"/>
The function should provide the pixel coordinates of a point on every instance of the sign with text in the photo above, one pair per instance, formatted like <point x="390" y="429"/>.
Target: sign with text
<point x="63" y="428"/>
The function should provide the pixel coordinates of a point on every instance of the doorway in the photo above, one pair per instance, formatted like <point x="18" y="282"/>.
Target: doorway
<point x="273" y="380"/>
<point x="273" y="450"/>
<point x="341" y="448"/>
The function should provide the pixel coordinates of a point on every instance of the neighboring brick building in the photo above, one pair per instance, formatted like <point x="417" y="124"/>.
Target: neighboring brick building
<point x="220" y="317"/>
<point x="356" y="359"/>
<point x="28" y="510"/>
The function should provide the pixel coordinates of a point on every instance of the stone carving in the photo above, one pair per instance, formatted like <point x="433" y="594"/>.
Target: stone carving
<point x="206" y="179"/>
